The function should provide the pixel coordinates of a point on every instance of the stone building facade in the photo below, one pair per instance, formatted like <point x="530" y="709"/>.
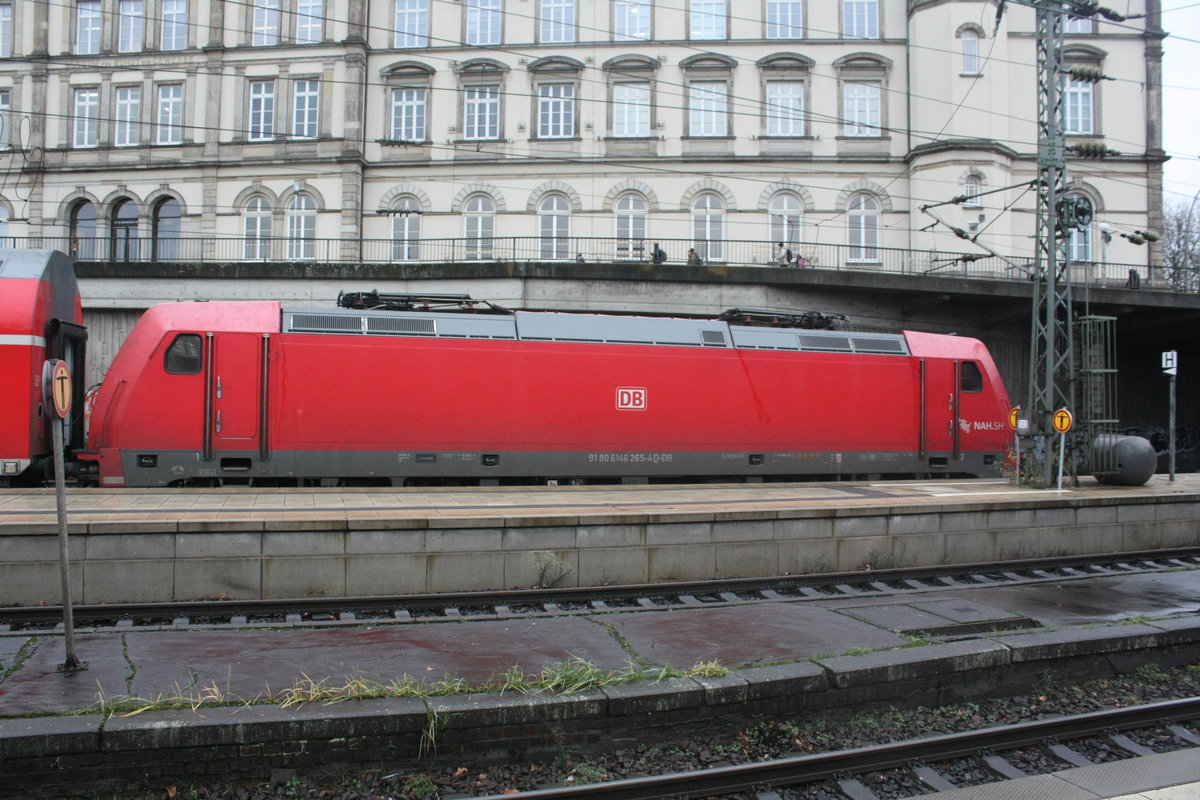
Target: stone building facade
<point x="434" y="130"/>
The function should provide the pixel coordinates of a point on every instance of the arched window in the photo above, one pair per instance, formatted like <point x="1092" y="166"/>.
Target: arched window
<point x="302" y="228"/>
<point x="969" y="42"/>
<point x="863" y="224"/>
<point x="168" y="214"/>
<point x="708" y="226"/>
<point x="971" y="190"/>
<point x="4" y="228"/>
<point x="256" y="228"/>
<point x="1079" y="243"/>
<point x="83" y="231"/>
<point x="786" y="219"/>
<point x="124" y="231"/>
<point x="479" y="226"/>
<point x="629" y="226"/>
<point x="406" y="229"/>
<point x="554" y="227"/>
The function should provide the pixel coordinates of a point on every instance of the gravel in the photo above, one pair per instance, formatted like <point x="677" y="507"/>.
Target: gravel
<point x="769" y="739"/>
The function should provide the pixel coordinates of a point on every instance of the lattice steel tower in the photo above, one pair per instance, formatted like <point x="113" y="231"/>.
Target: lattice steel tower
<point x="1053" y="372"/>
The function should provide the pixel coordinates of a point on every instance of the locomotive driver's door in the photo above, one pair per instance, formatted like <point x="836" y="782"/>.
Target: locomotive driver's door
<point x="939" y="428"/>
<point x="234" y="388"/>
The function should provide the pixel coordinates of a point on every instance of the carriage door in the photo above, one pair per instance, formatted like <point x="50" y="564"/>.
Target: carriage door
<point x="939" y="428"/>
<point x="234" y="390"/>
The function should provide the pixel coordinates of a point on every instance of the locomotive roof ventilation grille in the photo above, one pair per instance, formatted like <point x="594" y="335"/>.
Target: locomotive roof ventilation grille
<point x="878" y="344"/>
<point x="324" y="323"/>
<point x="875" y="345"/>
<point x="713" y="338"/>
<point x="406" y="326"/>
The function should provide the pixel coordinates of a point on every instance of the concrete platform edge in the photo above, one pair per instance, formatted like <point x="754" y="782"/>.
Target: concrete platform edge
<point x="246" y="740"/>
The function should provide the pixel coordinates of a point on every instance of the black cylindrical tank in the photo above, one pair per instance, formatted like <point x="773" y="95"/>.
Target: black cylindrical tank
<point x="1132" y="457"/>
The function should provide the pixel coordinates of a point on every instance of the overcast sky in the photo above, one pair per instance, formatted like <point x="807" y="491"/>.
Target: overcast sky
<point x="1181" y="99"/>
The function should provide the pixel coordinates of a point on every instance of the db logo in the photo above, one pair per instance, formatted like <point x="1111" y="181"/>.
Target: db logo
<point x="631" y="398"/>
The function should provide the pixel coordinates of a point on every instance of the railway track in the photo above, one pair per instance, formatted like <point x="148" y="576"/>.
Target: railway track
<point x="591" y="600"/>
<point x="938" y="763"/>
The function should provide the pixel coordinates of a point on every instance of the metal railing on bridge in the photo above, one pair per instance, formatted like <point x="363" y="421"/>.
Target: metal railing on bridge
<point x="675" y="252"/>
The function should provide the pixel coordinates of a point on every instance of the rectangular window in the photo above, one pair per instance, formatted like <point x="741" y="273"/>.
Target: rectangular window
<point x="256" y="227"/>
<point x="860" y="19"/>
<point x="264" y="29"/>
<point x="6" y="137"/>
<point x="970" y="52"/>
<point x="174" y="24"/>
<point x="406" y="237"/>
<point x="862" y="109"/>
<point x="555" y="230"/>
<point x="631" y="110"/>
<point x="86" y="119"/>
<point x="971" y="198"/>
<point x="131" y="26"/>
<point x="1077" y="25"/>
<point x="785" y="108"/>
<point x="631" y="19"/>
<point x="864" y="238"/>
<point x="127" y="114"/>
<point x="1078" y="108"/>
<point x="481" y="112"/>
<point x="87" y="27"/>
<point x="480" y="230"/>
<point x="412" y="23"/>
<point x="169" y="127"/>
<point x="708" y="108"/>
<point x="409" y="112"/>
<point x="785" y="19"/>
<point x="483" y="22"/>
<point x="557" y="21"/>
<point x="1079" y="245"/>
<point x="6" y="30"/>
<point x="310" y="20"/>
<point x="556" y="111"/>
<point x="302" y="234"/>
<point x="306" y="99"/>
<point x="262" y="110"/>
<point x="707" y="20"/>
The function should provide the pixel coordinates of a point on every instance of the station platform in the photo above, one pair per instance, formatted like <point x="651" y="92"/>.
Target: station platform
<point x="161" y="545"/>
<point x="229" y="685"/>
<point x="99" y="510"/>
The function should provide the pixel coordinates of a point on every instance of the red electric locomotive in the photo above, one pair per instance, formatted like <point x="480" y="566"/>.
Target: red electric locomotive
<point x="40" y="318"/>
<point x="391" y="390"/>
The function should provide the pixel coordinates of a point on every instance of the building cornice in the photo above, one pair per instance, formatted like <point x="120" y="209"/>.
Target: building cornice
<point x="969" y="145"/>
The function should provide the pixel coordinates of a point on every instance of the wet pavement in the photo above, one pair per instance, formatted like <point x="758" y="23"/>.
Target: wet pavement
<point x="247" y="665"/>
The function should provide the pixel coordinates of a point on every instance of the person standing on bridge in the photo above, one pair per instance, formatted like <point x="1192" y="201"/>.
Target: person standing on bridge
<point x="783" y="255"/>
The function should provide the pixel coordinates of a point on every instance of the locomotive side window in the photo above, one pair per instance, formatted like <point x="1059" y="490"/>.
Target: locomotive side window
<point x="183" y="356"/>
<point x="972" y="378"/>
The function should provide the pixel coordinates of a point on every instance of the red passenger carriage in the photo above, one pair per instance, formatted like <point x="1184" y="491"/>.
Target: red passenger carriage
<point x="40" y="318"/>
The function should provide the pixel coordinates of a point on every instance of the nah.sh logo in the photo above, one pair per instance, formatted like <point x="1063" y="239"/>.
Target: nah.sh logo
<point x="631" y="398"/>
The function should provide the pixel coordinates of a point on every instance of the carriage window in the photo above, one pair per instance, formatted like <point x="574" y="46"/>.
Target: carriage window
<point x="183" y="356"/>
<point x="972" y="378"/>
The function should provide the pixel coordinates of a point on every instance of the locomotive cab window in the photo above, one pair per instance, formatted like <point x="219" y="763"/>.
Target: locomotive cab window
<point x="183" y="356"/>
<point x="972" y="378"/>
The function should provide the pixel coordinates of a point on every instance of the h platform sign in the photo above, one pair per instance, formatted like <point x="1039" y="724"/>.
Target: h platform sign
<point x="1170" y="362"/>
<point x="631" y="398"/>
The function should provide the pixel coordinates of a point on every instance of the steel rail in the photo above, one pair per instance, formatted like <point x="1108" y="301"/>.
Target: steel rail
<point x="809" y="768"/>
<point x="625" y="597"/>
